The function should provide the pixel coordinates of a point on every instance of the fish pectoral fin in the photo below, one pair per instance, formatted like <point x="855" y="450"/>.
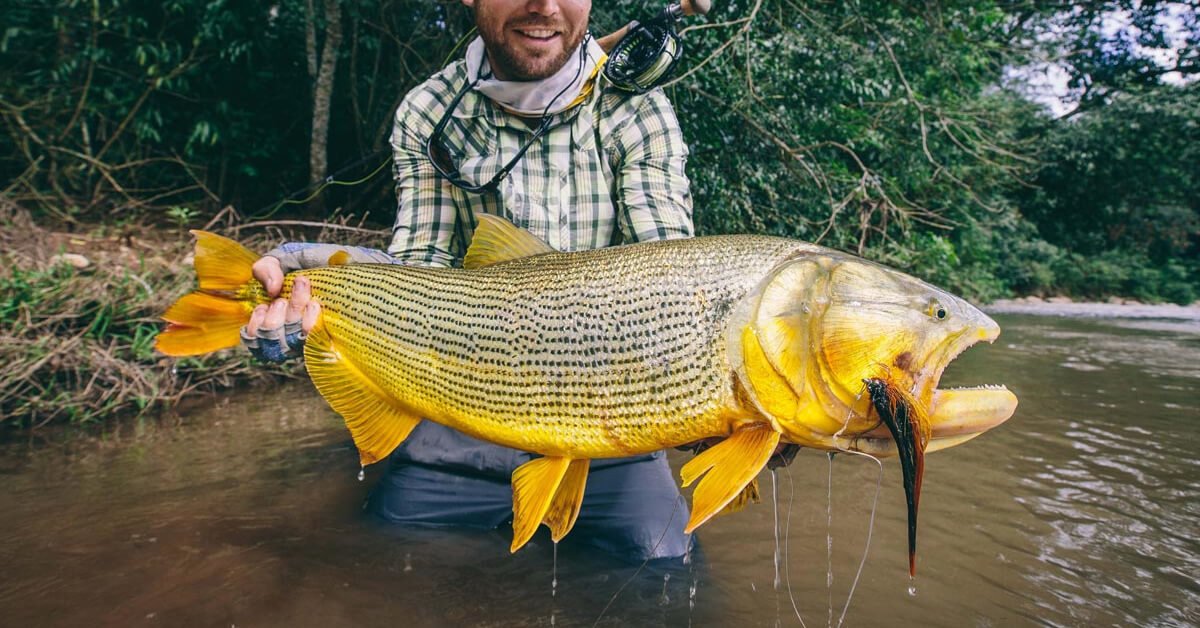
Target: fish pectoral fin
<point x="498" y="240"/>
<point x="749" y="495"/>
<point x="376" y="421"/>
<point x="546" y="490"/>
<point x="727" y="468"/>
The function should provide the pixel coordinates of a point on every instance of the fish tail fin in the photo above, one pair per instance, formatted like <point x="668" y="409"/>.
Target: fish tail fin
<point x="210" y="318"/>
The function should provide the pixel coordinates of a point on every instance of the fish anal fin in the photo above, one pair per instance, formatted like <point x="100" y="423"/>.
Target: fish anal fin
<point x="564" y="508"/>
<point x="376" y="421"/>
<point x="534" y="485"/>
<point x="498" y="240"/>
<point x="727" y="468"/>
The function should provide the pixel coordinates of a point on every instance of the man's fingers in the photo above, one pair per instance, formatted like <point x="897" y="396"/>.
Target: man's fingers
<point x="256" y="320"/>
<point x="312" y="312"/>
<point x="269" y="273"/>
<point x="275" y="314"/>
<point x="301" y="294"/>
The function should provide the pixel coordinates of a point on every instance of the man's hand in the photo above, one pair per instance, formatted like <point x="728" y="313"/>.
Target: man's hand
<point x="277" y="332"/>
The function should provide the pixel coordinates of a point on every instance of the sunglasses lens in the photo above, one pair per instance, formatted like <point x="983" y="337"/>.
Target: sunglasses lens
<point x="441" y="160"/>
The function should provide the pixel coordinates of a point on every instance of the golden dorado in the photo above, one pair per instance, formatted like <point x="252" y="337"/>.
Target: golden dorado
<point x="627" y="350"/>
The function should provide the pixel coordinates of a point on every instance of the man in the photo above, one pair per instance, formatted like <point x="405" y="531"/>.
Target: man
<point x="525" y="128"/>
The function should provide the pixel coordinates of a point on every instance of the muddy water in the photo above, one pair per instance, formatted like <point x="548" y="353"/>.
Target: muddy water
<point x="1083" y="510"/>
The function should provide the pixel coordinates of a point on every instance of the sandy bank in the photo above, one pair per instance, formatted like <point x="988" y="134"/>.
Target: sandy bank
<point x="1060" y="306"/>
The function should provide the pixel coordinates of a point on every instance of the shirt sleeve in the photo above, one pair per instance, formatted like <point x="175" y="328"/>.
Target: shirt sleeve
<point x="425" y="216"/>
<point x="654" y="201"/>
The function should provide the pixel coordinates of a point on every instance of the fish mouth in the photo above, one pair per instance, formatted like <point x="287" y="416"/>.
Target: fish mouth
<point x="962" y="413"/>
<point x="955" y="415"/>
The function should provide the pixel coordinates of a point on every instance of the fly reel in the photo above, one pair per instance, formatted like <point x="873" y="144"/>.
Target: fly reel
<point x="641" y="56"/>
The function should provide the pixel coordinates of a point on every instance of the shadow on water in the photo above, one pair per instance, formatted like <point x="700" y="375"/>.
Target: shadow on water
<point x="1082" y="510"/>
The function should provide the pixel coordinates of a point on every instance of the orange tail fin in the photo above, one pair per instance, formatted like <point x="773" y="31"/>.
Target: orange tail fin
<point x="209" y="319"/>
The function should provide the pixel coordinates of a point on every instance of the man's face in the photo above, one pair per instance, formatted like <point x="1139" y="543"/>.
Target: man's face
<point x="528" y="40"/>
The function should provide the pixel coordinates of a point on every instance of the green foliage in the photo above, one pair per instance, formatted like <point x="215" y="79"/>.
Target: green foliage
<point x="1119" y="190"/>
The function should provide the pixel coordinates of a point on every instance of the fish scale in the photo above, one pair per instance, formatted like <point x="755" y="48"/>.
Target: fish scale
<point x="554" y="353"/>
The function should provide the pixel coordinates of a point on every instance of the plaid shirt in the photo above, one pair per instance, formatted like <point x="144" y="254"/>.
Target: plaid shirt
<point x="610" y="170"/>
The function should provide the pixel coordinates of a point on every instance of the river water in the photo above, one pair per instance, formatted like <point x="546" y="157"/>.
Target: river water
<point x="1084" y="509"/>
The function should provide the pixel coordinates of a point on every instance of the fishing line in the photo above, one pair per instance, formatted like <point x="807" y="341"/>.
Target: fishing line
<point x="653" y="551"/>
<point x="787" y="529"/>
<point x="874" y="506"/>
<point x="326" y="182"/>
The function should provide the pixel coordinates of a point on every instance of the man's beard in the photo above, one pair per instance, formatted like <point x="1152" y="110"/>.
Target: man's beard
<point x="527" y="68"/>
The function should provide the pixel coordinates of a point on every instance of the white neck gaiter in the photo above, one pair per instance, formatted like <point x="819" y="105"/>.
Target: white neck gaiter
<point x="548" y="96"/>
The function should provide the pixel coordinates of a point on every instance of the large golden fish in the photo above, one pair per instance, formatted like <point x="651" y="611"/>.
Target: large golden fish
<point x="623" y="351"/>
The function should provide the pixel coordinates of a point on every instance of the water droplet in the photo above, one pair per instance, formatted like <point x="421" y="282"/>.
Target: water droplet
<point x="362" y="474"/>
<point x="408" y="562"/>
<point x="912" y="587"/>
<point x="663" y="599"/>
<point x="554" y="576"/>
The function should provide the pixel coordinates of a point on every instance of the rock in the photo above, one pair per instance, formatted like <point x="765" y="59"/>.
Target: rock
<point x="1059" y="300"/>
<point x="75" y="260"/>
<point x="1031" y="299"/>
<point x="1116" y="300"/>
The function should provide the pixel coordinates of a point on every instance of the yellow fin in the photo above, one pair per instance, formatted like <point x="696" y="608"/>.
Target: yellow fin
<point x="564" y="509"/>
<point x="376" y="421"/>
<point x="534" y="485"/>
<point x="341" y="258"/>
<point x="201" y="323"/>
<point x="749" y="495"/>
<point x="730" y="465"/>
<point x="222" y="264"/>
<point x="498" y="240"/>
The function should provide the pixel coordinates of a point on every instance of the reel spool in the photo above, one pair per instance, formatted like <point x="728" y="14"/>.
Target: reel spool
<point x="641" y="56"/>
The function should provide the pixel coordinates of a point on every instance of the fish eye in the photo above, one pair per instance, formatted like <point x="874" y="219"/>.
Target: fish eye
<point x="937" y="311"/>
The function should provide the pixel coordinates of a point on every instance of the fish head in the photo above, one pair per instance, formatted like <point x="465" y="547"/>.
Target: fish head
<point x="825" y="322"/>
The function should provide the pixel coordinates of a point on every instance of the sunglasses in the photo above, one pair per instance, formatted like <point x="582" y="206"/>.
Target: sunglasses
<point x="443" y="162"/>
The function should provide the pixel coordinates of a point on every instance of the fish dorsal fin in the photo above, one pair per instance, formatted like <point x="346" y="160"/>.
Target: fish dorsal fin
<point x="498" y="240"/>
<point x="341" y="258"/>
<point x="547" y="490"/>
<point x="377" y="422"/>
<point x="727" y="468"/>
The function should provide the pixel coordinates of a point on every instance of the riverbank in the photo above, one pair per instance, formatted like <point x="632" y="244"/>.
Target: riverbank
<point x="1114" y="308"/>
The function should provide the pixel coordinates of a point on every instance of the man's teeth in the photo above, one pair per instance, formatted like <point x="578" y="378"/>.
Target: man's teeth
<point x="539" y="34"/>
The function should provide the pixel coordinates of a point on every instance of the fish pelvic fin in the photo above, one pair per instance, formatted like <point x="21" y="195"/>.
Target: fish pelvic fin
<point x="377" y="422"/>
<point x="547" y="490"/>
<point x="727" y="468"/>
<point x="749" y="495"/>
<point x="209" y="319"/>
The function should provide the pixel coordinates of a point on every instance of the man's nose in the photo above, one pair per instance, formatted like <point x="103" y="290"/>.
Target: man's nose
<point x="542" y="7"/>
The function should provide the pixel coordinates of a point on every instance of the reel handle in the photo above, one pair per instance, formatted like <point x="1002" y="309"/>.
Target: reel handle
<point x="673" y="11"/>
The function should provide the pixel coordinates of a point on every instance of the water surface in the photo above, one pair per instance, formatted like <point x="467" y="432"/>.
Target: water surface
<point x="1082" y="510"/>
